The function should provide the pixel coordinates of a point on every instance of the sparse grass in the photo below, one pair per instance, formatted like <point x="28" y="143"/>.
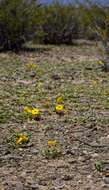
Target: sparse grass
<point x="80" y="95"/>
<point x="82" y="86"/>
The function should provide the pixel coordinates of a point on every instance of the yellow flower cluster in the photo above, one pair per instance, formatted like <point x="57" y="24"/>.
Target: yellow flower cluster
<point x="34" y="112"/>
<point x="31" y="66"/>
<point x="59" y="108"/>
<point x="52" y="143"/>
<point x="22" y="139"/>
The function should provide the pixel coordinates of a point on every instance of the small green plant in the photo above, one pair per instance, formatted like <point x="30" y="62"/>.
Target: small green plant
<point x="18" y="139"/>
<point x="52" y="150"/>
<point x="32" y="113"/>
<point x="51" y="153"/>
<point x="99" y="166"/>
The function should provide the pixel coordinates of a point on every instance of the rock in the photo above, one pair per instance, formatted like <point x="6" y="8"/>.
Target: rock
<point x="25" y="82"/>
<point x="94" y="155"/>
<point x="48" y="87"/>
<point x="62" y="164"/>
<point x="42" y="182"/>
<point x="23" y="174"/>
<point x="52" y="177"/>
<point x="89" y="177"/>
<point x="67" y="59"/>
<point x="104" y="140"/>
<point x="82" y="159"/>
<point x="32" y="74"/>
<point x="106" y="180"/>
<point x="35" y="186"/>
<point x="2" y="187"/>
<point x="85" y="152"/>
<point x="34" y="151"/>
<point x="72" y="161"/>
<point x="19" y="186"/>
<point x="58" y="184"/>
<point x="52" y="188"/>
<point x="55" y="77"/>
<point x="67" y="177"/>
<point x="106" y="166"/>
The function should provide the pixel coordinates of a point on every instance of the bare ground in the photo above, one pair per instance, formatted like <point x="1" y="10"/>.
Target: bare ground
<point x="82" y="131"/>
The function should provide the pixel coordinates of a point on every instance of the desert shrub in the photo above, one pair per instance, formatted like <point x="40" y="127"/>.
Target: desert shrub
<point x="17" y="22"/>
<point x="96" y="19"/>
<point x="61" y="24"/>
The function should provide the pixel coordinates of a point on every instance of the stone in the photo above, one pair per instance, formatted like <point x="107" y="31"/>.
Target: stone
<point x="42" y="182"/>
<point x="72" y="161"/>
<point x="104" y="140"/>
<point x="94" y="155"/>
<point x="52" y="188"/>
<point x="19" y="186"/>
<point x="55" y="77"/>
<point x="81" y="159"/>
<point x="67" y="177"/>
<point x="35" y="186"/>
<point x="34" y="151"/>
<point x="2" y="187"/>
<point x="106" y="180"/>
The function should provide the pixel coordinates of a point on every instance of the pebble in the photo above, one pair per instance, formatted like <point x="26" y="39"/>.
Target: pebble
<point x="19" y="186"/>
<point x="106" y="180"/>
<point x="52" y="188"/>
<point x="34" y="151"/>
<point x="94" y="155"/>
<point x="23" y="174"/>
<point x="85" y="152"/>
<point x="104" y="140"/>
<point x="58" y="184"/>
<point x="43" y="183"/>
<point x="34" y="186"/>
<point x="82" y="159"/>
<point x="55" y="77"/>
<point x="67" y="177"/>
<point x="72" y="161"/>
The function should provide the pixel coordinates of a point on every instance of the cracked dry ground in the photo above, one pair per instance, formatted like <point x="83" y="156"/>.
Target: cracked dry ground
<point x="82" y="131"/>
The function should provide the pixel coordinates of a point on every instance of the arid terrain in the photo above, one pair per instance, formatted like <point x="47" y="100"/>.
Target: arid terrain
<point x="36" y="77"/>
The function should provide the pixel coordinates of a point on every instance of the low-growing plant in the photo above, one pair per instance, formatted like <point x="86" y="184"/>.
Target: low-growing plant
<point x="32" y="113"/>
<point x="52" y="150"/>
<point x="99" y="166"/>
<point x="18" y="139"/>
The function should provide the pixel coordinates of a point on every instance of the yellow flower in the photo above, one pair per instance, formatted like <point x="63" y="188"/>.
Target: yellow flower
<point x="27" y="109"/>
<point x="94" y="82"/>
<point x="100" y="62"/>
<point x="35" y="112"/>
<point x="31" y="66"/>
<point x="59" y="99"/>
<point x="59" y="108"/>
<point x="52" y="143"/>
<point x="22" y="139"/>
